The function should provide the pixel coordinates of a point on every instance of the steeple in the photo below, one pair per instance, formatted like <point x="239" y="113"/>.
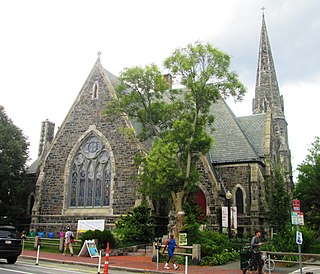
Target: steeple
<point x="267" y="93"/>
<point x="268" y="100"/>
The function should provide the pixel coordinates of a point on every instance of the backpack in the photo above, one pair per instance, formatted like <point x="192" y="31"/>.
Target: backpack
<point x="71" y="238"/>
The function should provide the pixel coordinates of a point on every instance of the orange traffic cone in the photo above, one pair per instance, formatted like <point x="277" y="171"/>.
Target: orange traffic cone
<point x="106" y="262"/>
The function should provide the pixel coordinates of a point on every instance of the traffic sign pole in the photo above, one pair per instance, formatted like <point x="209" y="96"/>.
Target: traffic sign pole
<point x="297" y="219"/>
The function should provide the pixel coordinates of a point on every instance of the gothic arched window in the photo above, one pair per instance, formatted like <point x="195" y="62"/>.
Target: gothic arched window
<point x="239" y="201"/>
<point x="90" y="175"/>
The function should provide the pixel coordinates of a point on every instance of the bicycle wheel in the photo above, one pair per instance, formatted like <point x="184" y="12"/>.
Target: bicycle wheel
<point x="269" y="264"/>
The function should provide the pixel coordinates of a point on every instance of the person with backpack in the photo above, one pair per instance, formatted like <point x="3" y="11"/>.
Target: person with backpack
<point x="171" y="244"/>
<point x="68" y="240"/>
<point x="256" y="255"/>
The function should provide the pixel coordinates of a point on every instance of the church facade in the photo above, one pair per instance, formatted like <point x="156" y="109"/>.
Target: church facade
<point x="86" y="170"/>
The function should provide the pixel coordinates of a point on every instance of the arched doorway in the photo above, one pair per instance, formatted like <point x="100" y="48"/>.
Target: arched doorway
<point x="199" y="198"/>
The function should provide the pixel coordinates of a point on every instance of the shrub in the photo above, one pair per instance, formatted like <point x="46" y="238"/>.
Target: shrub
<point x="220" y="258"/>
<point x="136" y="227"/>
<point x="286" y="240"/>
<point x="213" y="243"/>
<point x="103" y="238"/>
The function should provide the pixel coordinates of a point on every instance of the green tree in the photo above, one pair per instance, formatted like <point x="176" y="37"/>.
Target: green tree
<point x="13" y="157"/>
<point x="280" y="203"/>
<point x="307" y="189"/>
<point x="177" y="120"/>
<point x="137" y="226"/>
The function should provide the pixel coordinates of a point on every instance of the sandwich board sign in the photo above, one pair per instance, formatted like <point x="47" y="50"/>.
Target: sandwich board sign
<point x="89" y="248"/>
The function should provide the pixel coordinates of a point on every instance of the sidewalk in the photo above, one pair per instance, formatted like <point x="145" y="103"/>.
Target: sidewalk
<point x="142" y="264"/>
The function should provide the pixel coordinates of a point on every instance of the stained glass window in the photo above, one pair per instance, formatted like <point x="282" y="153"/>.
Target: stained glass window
<point x="90" y="177"/>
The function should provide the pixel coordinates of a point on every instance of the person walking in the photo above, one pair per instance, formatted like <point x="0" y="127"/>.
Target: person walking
<point x="171" y="244"/>
<point x="256" y="255"/>
<point x="68" y="240"/>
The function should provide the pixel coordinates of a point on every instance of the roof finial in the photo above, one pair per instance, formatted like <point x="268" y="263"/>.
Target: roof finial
<point x="263" y="8"/>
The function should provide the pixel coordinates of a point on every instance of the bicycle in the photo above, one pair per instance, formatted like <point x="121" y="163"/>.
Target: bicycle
<point x="268" y="263"/>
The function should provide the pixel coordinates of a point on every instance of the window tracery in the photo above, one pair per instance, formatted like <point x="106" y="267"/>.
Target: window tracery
<point x="90" y="175"/>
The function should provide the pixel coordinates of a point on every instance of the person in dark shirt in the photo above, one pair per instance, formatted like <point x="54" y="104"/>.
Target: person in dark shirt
<point x="256" y="256"/>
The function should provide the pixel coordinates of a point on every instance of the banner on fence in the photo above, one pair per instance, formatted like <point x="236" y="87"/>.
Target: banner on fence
<point x="89" y="248"/>
<point x="85" y="225"/>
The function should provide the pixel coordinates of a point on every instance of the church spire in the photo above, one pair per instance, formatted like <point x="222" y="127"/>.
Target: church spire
<point x="267" y="93"/>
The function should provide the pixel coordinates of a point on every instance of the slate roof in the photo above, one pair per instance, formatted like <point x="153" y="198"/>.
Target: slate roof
<point x="236" y="139"/>
<point x="254" y="126"/>
<point x="33" y="168"/>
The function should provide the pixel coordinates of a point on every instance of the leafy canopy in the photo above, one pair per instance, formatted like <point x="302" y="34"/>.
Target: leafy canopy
<point x="307" y="189"/>
<point x="175" y="122"/>
<point x="136" y="226"/>
<point x="13" y="157"/>
<point x="280" y="203"/>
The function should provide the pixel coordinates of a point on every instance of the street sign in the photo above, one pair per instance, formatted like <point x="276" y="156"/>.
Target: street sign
<point x="294" y="218"/>
<point x="296" y="205"/>
<point x="299" y="238"/>
<point x="300" y="218"/>
<point x="297" y="218"/>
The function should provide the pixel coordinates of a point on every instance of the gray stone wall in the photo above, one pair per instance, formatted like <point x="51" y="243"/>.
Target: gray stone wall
<point x="52" y="190"/>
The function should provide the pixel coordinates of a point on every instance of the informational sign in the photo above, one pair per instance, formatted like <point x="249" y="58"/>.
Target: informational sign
<point x="296" y="205"/>
<point x="299" y="238"/>
<point x="224" y="216"/>
<point x="183" y="239"/>
<point x="234" y="217"/>
<point x="89" y="248"/>
<point x="85" y="225"/>
<point x="300" y="218"/>
<point x="297" y="218"/>
<point x="294" y="218"/>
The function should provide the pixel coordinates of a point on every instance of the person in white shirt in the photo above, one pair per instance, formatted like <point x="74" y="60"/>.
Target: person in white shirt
<point x="68" y="240"/>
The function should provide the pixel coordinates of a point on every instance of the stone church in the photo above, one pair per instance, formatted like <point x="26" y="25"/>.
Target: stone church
<point x="85" y="170"/>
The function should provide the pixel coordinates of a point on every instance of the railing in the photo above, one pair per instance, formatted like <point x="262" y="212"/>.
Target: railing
<point x="304" y="255"/>
<point x="195" y="252"/>
<point x="47" y="242"/>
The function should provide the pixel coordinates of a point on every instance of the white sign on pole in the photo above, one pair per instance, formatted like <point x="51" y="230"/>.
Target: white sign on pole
<point x="300" y="218"/>
<point x="234" y="216"/>
<point x="294" y="218"/>
<point x="224" y="216"/>
<point x="299" y="238"/>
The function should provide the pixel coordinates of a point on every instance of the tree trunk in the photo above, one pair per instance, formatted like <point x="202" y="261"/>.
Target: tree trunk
<point x="179" y="213"/>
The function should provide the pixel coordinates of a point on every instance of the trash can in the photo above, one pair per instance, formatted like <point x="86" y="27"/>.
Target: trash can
<point x="51" y="235"/>
<point x="245" y="256"/>
<point x="41" y="234"/>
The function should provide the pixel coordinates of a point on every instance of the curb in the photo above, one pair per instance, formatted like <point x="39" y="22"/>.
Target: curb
<point x="134" y="270"/>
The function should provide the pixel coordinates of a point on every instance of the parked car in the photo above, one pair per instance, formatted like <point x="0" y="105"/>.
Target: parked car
<point x="10" y="243"/>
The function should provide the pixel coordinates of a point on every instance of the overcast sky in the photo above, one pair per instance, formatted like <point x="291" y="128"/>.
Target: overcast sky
<point x="48" y="48"/>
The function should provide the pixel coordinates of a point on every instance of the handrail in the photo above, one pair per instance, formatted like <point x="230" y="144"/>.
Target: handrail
<point x="293" y="254"/>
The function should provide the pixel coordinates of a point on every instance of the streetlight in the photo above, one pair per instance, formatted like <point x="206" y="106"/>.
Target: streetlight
<point x="228" y="197"/>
